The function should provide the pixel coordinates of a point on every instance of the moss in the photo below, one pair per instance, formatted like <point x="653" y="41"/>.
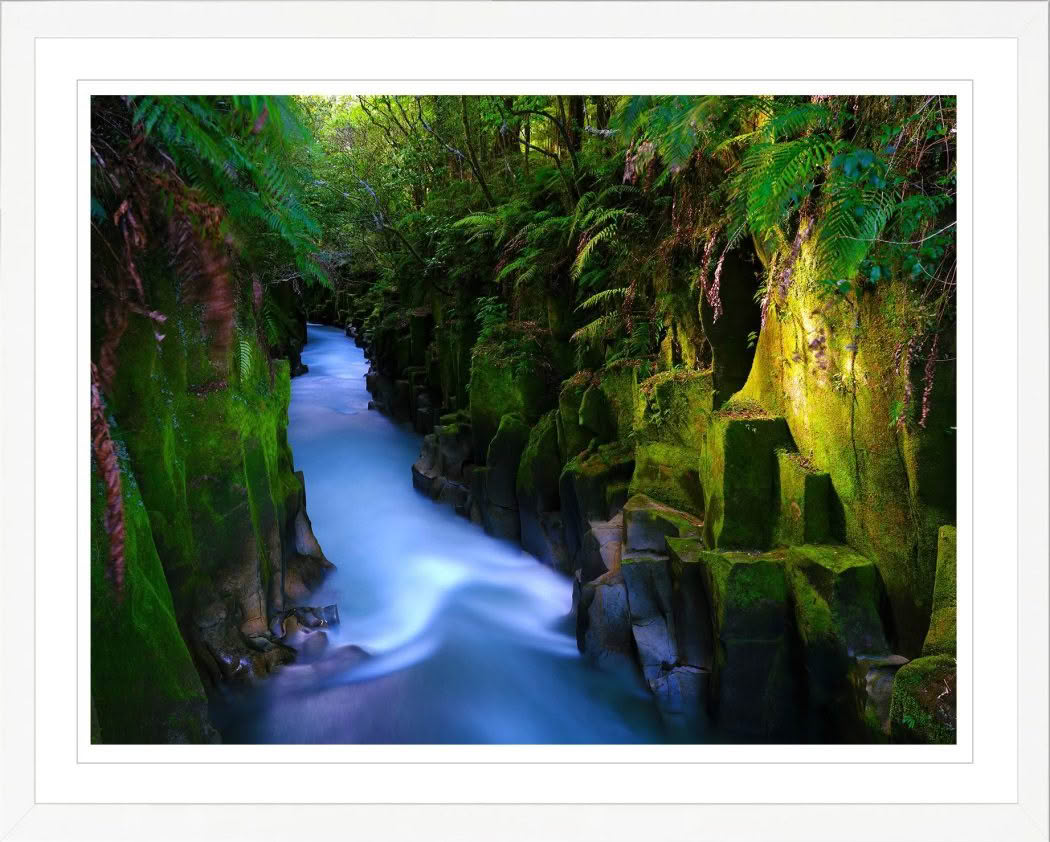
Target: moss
<point x="144" y="687"/>
<point x="619" y="385"/>
<point x="738" y="474"/>
<point x="923" y="706"/>
<point x="754" y="680"/>
<point x="596" y="415"/>
<point x="829" y="367"/>
<point x="540" y="466"/>
<point x="503" y="458"/>
<point x="572" y="435"/>
<point x="836" y="596"/>
<point x="940" y="638"/>
<point x="668" y="474"/>
<point x="497" y="389"/>
<point x="804" y="510"/>
<point x="677" y="408"/>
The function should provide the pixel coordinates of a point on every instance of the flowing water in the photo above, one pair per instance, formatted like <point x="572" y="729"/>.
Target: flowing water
<point x="468" y="636"/>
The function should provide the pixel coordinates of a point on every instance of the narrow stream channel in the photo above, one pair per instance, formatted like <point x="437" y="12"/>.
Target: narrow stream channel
<point x="468" y="636"/>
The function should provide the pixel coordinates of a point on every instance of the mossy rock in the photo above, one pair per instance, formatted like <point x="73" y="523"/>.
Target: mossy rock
<point x="940" y="639"/>
<point x="754" y="681"/>
<point x="619" y="385"/>
<point x="692" y="611"/>
<point x="836" y="595"/>
<point x="596" y="415"/>
<point x="832" y="369"/>
<point x="923" y="706"/>
<point x="804" y="510"/>
<point x="144" y="687"/>
<point x="503" y="459"/>
<point x="583" y="485"/>
<point x="540" y="466"/>
<point x="669" y="474"/>
<point x="677" y="409"/>
<point x="497" y="389"/>
<point x="647" y="523"/>
<point x="649" y="595"/>
<point x="738" y="472"/>
<point x="572" y="436"/>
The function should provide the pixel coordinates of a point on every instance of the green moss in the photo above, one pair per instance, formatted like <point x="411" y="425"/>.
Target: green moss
<point x="923" y="706"/>
<point x="497" y="389"/>
<point x="677" y="408"/>
<point x="668" y="474"/>
<point x="619" y="385"/>
<point x="940" y="639"/>
<point x="144" y="687"/>
<point x="829" y="367"/>
<point x="738" y="474"/>
<point x="804" y="511"/>
<point x="596" y="415"/>
<point x="572" y="435"/>
<point x="541" y="465"/>
<point x="503" y="458"/>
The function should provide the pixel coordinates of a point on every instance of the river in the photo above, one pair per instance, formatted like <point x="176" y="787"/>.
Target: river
<point x="469" y="636"/>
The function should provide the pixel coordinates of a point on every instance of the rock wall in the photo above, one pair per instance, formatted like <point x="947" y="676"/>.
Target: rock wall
<point x="219" y="543"/>
<point x="753" y="540"/>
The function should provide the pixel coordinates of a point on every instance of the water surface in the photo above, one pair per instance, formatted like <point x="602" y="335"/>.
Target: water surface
<point x="469" y="636"/>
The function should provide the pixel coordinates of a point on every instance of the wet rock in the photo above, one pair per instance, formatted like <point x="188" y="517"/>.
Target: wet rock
<point x="753" y="684"/>
<point x="681" y="697"/>
<point x="313" y="645"/>
<point x="583" y="485"/>
<point x="648" y="581"/>
<point x="260" y="643"/>
<point x="603" y="624"/>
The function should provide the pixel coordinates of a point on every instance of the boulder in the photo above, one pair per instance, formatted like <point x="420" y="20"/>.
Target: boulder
<point x="596" y="415"/>
<point x="647" y="523"/>
<point x="692" y="612"/>
<point x="681" y="698"/>
<point x="940" y="638"/>
<point x="922" y="709"/>
<point x="738" y="472"/>
<point x="497" y="389"/>
<point x="540" y="467"/>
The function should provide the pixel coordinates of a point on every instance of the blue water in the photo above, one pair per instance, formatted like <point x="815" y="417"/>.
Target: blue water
<point x="468" y="636"/>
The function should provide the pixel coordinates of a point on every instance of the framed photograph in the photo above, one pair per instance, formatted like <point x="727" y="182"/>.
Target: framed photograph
<point x="530" y="420"/>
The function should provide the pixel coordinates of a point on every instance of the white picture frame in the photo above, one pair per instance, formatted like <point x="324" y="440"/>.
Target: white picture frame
<point x="992" y="785"/>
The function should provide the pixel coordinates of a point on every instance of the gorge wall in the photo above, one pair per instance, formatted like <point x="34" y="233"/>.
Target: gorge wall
<point x="754" y="535"/>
